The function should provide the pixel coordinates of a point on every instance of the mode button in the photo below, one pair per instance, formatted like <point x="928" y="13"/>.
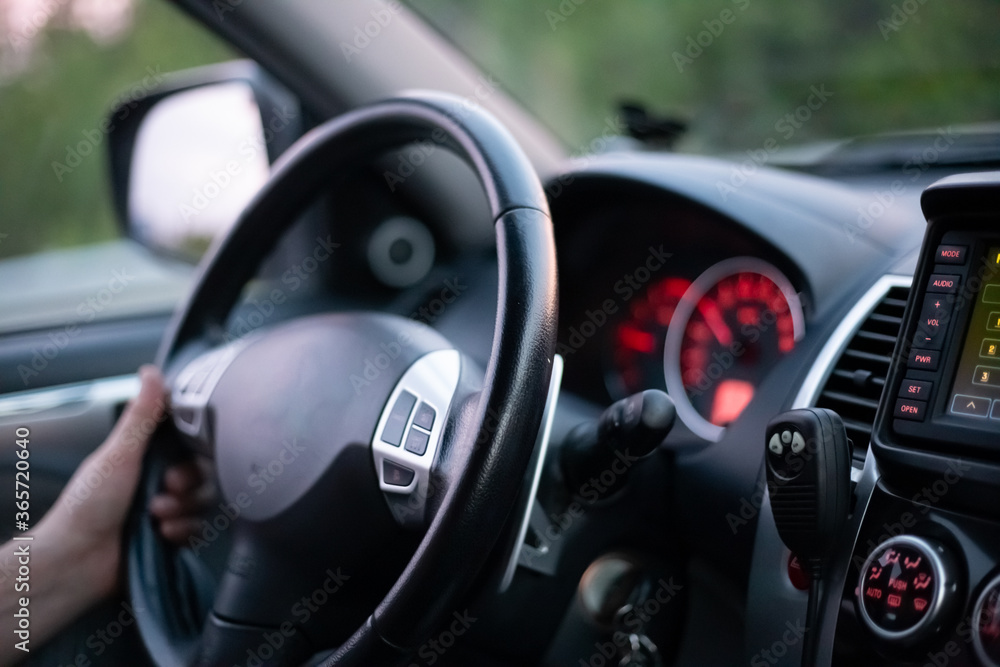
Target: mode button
<point x="950" y="254"/>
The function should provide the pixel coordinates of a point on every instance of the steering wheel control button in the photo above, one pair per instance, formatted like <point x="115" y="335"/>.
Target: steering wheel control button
<point x="907" y="589"/>
<point x="950" y="254"/>
<point x="918" y="390"/>
<point x="398" y="416"/>
<point x="798" y="443"/>
<point x="986" y="624"/>
<point x="971" y="406"/>
<point x="416" y="441"/>
<point x="395" y="474"/>
<point x="926" y="360"/>
<point x="424" y="417"/>
<point x="775" y="445"/>
<point x="940" y="283"/>
<point x="409" y="432"/>
<point x="910" y="409"/>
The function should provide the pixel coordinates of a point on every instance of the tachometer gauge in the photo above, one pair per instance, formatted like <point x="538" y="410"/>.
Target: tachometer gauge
<point x="737" y="320"/>
<point x="639" y="338"/>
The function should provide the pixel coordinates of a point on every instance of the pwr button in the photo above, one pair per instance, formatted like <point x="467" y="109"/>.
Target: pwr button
<point x="924" y="359"/>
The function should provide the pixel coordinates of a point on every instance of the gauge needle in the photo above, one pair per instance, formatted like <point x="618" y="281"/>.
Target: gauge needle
<point x="713" y="318"/>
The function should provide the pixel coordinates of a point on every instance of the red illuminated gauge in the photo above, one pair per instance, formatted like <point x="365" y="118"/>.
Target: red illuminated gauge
<point x="734" y="323"/>
<point x="638" y="346"/>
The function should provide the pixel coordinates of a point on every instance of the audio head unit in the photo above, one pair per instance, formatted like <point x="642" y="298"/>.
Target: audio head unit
<point x="942" y="393"/>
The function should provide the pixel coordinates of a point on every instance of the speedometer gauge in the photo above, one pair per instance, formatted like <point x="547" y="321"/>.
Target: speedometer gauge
<point x="737" y="320"/>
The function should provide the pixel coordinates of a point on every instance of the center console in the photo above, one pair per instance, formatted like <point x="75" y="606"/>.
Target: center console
<point x="923" y="577"/>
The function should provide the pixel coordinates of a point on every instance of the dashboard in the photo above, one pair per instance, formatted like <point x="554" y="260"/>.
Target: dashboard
<point x="737" y="318"/>
<point x="672" y="287"/>
<point x="739" y="304"/>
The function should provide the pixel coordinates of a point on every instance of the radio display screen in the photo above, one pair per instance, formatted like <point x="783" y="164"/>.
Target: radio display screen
<point x="976" y="391"/>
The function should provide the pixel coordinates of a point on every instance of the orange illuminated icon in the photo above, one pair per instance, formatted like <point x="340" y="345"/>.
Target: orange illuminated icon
<point x="731" y="398"/>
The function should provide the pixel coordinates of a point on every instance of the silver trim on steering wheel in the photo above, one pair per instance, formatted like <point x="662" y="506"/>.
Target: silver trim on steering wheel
<point x="403" y="469"/>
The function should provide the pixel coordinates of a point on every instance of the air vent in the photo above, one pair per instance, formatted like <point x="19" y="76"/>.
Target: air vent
<point x="856" y="381"/>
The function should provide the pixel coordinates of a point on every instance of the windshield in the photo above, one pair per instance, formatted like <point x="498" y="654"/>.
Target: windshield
<point x="742" y="74"/>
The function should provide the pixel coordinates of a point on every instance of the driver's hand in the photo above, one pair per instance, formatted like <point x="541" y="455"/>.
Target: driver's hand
<point x="188" y="491"/>
<point x="89" y="515"/>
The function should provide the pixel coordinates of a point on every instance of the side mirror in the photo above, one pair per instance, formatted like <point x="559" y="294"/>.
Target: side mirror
<point x="187" y="157"/>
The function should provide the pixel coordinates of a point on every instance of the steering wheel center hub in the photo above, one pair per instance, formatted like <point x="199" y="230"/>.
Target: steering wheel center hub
<point x="290" y="403"/>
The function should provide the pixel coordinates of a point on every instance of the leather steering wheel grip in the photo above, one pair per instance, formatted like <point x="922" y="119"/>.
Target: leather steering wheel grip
<point x="498" y="426"/>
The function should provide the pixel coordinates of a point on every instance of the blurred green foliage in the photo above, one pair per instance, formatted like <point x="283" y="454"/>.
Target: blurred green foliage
<point x="59" y="101"/>
<point x="732" y="68"/>
<point x="890" y="64"/>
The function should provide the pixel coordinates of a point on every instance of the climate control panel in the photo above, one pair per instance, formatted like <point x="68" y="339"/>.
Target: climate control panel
<point x="908" y="589"/>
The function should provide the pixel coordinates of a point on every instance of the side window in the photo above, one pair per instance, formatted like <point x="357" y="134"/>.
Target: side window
<point x="63" y="66"/>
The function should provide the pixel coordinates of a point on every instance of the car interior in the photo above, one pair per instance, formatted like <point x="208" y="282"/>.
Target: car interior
<point x="474" y="398"/>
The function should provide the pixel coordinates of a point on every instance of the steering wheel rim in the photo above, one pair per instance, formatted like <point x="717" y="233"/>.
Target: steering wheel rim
<point x="497" y="427"/>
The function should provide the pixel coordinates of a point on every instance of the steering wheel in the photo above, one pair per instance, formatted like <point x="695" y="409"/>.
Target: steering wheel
<point x="356" y="514"/>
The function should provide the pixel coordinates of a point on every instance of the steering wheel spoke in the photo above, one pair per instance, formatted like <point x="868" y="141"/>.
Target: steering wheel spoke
<point x="192" y="388"/>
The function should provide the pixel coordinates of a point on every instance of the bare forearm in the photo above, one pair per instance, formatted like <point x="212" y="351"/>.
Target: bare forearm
<point x="47" y="582"/>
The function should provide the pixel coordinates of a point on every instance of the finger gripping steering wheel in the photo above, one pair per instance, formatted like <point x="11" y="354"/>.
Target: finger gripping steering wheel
<point x="329" y="559"/>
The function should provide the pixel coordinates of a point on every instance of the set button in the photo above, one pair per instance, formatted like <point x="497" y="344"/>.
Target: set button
<point x="916" y="389"/>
